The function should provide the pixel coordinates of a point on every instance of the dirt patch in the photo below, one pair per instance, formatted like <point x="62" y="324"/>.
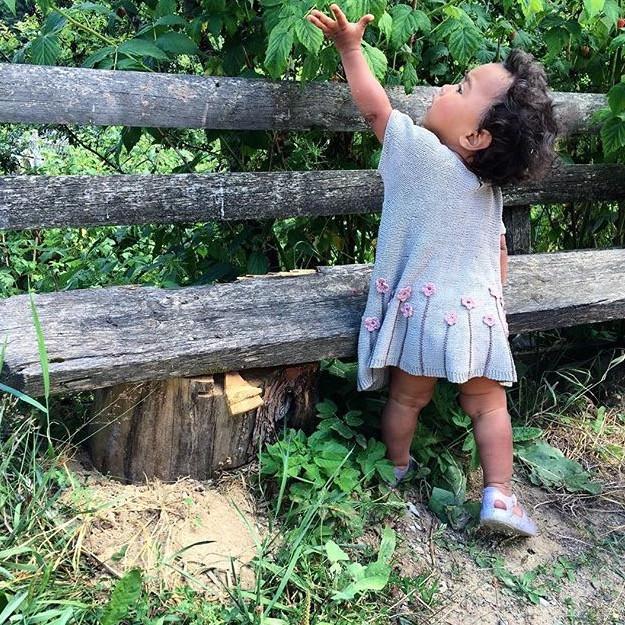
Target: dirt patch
<point x="569" y="574"/>
<point x="188" y="532"/>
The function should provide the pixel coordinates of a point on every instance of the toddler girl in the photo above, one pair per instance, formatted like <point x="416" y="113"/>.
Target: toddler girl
<point x="435" y="306"/>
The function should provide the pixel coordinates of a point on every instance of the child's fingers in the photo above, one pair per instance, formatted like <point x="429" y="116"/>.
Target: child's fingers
<point x="364" y="20"/>
<point x="328" y="22"/>
<point x="317" y="22"/>
<point x="340" y="16"/>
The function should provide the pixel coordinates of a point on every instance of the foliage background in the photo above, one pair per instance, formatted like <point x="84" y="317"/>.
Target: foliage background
<point x="420" y="42"/>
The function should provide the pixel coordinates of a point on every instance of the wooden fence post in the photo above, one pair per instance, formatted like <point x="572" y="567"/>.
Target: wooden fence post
<point x="518" y="235"/>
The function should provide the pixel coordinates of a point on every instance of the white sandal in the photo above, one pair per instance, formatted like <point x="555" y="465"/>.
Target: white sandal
<point x="506" y="521"/>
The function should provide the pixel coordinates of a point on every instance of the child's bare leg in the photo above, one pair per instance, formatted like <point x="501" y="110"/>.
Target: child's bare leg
<point x="408" y="395"/>
<point x="484" y="400"/>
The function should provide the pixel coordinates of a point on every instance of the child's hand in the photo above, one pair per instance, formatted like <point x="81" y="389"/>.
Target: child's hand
<point x="346" y="35"/>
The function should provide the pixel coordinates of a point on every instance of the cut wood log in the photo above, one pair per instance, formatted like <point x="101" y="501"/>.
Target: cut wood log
<point x="241" y="396"/>
<point x="244" y="405"/>
<point x="101" y="337"/>
<point x="182" y="426"/>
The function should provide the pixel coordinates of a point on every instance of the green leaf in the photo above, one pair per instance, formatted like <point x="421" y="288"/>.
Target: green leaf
<point x="422" y="20"/>
<point x="170" y="20"/>
<point x="334" y="552"/>
<point x="257" y="263"/>
<point x="340" y="427"/>
<point x="45" y="49"/>
<point x="387" y="545"/>
<point x="44" y="5"/>
<point x="279" y="48"/>
<point x="385" y="470"/>
<point x="405" y="23"/>
<point x="92" y="6"/>
<point x="326" y="408"/>
<point x="347" y="479"/>
<point x="463" y="43"/>
<point x="377" y="8"/>
<point x="23" y="397"/>
<point x="556" y="39"/>
<point x="376" y="60"/>
<point x="385" y="25"/>
<point x="439" y="500"/>
<point x="520" y="434"/>
<point x="54" y="23"/>
<point x="593" y="6"/>
<point x="11" y="5"/>
<point x="618" y="41"/>
<point x="616" y="98"/>
<point x="142" y="47"/>
<point x="409" y="77"/>
<point x="333" y="450"/>
<point x="549" y="467"/>
<point x="124" y="596"/>
<point x="530" y="7"/>
<point x="352" y="418"/>
<point x="613" y="135"/>
<point x="369" y="582"/>
<point x="176" y="43"/>
<point x="309" y="35"/>
<point x="98" y="56"/>
<point x="130" y="136"/>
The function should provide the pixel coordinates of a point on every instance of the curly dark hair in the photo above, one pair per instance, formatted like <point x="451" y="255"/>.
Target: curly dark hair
<point x="522" y="125"/>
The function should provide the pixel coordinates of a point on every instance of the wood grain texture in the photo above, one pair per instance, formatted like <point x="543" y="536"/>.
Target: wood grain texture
<point x="60" y="201"/>
<point x="518" y="229"/>
<point x="182" y="426"/>
<point x="100" y="337"/>
<point x="71" y="95"/>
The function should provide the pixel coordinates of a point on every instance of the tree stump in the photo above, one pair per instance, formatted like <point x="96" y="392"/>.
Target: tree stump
<point x="199" y="425"/>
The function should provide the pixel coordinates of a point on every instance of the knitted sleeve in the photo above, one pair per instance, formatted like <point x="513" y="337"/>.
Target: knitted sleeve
<point x="502" y="228"/>
<point x="407" y="144"/>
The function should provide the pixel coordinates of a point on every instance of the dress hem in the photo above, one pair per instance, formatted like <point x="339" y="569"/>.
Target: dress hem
<point x="458" y="377"/>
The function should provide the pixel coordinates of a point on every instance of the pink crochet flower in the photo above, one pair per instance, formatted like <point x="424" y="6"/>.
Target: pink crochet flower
<point x="451" y="318"/>
<point x="382" y="286"/>
<point x="468" y="302"/>
<point x="406" y="310"/>
<point x="429" y="288"/>
<point x="372" y="323"/>
<point x="489" y="320"/>
<point x="404" y="293"/>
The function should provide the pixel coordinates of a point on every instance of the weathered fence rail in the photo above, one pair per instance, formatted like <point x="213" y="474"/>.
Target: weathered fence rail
<point x="66" y="95"/>
<point x="101" y="337"/>
<point x="60" y="201"/>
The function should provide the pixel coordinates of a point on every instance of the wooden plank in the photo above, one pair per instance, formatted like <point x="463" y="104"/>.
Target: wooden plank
<point x="104" y="336"/>
<point x="59" y="201"/>
<point x="72" y="95"/>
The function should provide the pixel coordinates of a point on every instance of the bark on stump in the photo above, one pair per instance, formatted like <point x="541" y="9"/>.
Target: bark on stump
<point x="186" y="426"/>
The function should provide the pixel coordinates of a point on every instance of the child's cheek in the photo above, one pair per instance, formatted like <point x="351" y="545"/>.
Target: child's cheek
<point x="437" y="118"/>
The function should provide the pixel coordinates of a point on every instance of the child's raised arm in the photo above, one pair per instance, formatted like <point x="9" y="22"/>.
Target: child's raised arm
<point x="367" y="92"/>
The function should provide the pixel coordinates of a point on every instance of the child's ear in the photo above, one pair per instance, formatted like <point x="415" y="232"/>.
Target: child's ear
<point x="477" y="140"/>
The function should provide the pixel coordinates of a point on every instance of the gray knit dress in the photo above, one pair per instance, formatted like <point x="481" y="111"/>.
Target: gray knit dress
<point x="435" y="305"/>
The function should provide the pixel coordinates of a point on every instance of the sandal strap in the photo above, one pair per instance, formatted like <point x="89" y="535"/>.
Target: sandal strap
<point x="492" y="494"/>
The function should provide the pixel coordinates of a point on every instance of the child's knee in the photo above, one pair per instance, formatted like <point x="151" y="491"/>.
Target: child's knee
<point x="416" y="400"/>
<point x="411" y="391"/>
<point x="482" y="397"/>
